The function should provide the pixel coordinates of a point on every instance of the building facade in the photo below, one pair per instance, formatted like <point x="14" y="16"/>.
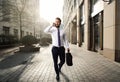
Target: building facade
<point x="94" y="25"/>
<point x="20" y="17"/>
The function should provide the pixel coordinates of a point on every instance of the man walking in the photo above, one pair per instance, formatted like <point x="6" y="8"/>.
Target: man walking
<point x="58" y="43"/>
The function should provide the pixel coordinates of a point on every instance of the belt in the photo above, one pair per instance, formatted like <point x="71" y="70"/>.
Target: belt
<point x="58" y="47"/>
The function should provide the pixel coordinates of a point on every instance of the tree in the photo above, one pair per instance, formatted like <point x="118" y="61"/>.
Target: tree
<point x="18" y="7"/>
<point x="4" y="10"/>
<point x="26" y="17"/>
<point x="20" y="13"/>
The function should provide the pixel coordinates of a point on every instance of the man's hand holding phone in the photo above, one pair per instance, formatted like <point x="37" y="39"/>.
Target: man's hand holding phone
<point x="54" y="24"/>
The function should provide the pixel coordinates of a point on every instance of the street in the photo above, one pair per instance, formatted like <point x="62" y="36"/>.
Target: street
<point x="38" y="67"/>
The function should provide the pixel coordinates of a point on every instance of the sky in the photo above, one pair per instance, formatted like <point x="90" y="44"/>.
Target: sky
<point x="50" y="9"/>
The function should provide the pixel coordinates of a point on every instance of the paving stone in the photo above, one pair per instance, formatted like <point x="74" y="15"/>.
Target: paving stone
<point x="87" y="67"/>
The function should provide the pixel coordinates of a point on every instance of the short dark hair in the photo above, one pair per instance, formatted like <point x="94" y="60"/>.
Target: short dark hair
<point x="58" y="19"/>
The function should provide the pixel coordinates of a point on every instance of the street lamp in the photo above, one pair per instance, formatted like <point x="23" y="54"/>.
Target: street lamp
<point x="108" y="1"/>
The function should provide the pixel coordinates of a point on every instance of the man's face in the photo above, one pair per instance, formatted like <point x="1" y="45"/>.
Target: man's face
<point x="57" y="22"/>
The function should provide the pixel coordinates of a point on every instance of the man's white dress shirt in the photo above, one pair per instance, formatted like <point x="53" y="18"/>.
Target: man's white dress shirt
<point x="54" y="33"/>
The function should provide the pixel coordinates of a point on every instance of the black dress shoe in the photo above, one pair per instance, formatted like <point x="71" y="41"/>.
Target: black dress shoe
<point x="57" y="78"/>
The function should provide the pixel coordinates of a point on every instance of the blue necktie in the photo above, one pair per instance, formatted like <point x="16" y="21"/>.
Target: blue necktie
<point x="59" y="42"/>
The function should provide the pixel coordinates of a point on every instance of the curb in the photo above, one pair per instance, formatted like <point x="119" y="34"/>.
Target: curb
<point x="5" y="52"/>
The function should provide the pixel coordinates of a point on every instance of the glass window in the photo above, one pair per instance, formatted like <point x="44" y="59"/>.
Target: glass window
<point x="6" y="30"/>
<point x="16" y="32"/>
<point x="30" y="33"/>
<point x="27" y="33"/>
<point x="22" y="33"/>
<point x="93" y="2"/>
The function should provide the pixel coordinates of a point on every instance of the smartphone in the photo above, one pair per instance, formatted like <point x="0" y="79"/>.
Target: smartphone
<point x="54" y="24"/>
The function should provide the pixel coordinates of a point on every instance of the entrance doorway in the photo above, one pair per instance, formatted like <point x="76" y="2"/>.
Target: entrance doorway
<point x="96" y="32"/>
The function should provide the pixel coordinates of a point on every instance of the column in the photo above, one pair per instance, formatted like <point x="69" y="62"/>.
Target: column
<point x="78" y="27"/>
<point x="71" y="32"/>
<point x="87" y="24"/>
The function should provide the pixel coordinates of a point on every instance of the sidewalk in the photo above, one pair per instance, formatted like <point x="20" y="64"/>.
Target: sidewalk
<point x="87" y="67"/>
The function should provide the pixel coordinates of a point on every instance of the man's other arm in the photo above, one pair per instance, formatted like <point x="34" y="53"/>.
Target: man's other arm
<point x="66" y="42"/>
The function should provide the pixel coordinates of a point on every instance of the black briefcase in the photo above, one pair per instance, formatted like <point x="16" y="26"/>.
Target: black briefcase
<point x="69" y="58"/>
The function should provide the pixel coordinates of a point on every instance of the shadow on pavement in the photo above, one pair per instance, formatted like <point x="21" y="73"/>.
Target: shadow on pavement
<point x="15" y="60"/>
<point x="16" y="78"/>
<point x="65" y="77"/>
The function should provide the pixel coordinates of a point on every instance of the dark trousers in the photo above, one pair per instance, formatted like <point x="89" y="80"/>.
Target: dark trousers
<point x="58" y="51"/>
